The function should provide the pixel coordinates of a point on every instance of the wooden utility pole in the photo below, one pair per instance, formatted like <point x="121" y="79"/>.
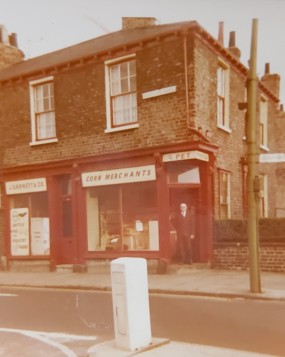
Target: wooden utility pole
<point x="252" y="159"/>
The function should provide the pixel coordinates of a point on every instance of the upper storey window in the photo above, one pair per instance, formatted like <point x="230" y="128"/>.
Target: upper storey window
<point x="42" y="111"/>
<point x="263" y="123"/>
<point x="121" y="94"/>
<point x="223" y="80"/>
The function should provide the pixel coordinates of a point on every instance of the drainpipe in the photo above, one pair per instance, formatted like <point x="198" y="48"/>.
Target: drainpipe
<point x="186" y="78"/>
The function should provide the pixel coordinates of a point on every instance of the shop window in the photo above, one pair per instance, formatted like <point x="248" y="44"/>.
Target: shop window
<point x="224" y="188"/>
<point x="29" y="224"/>
<point x="42" y="111"/>
<point x="223" y="88"/>
<point x="122" y="217"/>
<point x="121" y="94"/>
<point x="183" y="173"/>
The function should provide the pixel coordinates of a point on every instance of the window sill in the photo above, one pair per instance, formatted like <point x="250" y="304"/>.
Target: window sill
<point x="263" y="147"/>
<point x="42" y="142"/>
<point x="225" y="128"/>
<point x="121" y="128"/>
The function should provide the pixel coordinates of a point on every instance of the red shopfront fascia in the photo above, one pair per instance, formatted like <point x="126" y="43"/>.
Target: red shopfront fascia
<point x="156" y="170"/>
<point x="67" y="187"/>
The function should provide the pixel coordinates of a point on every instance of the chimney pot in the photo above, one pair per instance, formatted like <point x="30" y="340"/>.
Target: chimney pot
<point x="267" y="68"/>
<point x="232" y="40"/>
<point x="13" y="39"/>
<point x="271" y="81"/>
<point x="221" y="33"/>
<point x="235" y="51"/>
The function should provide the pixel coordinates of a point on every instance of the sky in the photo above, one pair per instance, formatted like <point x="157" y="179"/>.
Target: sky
<point x="43" y="26"/>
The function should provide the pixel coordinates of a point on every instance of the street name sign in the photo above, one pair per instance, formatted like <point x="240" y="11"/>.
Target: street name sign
<point x="268" y="158"/>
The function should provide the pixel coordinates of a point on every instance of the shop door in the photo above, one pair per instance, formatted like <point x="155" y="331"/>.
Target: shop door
<point x="188" y="195"/>
<point x="65" y="215"/>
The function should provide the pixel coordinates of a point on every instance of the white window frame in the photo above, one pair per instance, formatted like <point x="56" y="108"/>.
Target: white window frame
<point x="223" y="96"/>
<point x="263" y="125"/>
<point x="35" y="140"/>
<point x="225" y="201"/>
<point x="109" y="126"/>
<point x="263" y="196"/>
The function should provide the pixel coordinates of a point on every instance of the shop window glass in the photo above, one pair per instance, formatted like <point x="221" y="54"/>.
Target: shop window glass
<point x="122" y="217"/>
<point x="184" y="174"/>
<point x="29" y="224"/>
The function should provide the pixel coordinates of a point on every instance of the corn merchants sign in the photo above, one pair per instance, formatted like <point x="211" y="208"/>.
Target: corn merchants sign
<point x="117" y="176"/>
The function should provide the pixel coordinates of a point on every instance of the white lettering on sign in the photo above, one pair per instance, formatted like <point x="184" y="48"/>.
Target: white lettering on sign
<point x="116" y="176"/>
<point x="185" y="155"/>
<point x="25" y="186"/>
<point x="278" y="157"/>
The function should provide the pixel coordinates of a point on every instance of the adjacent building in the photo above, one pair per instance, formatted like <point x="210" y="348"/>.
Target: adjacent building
<point x="101" y="142"/>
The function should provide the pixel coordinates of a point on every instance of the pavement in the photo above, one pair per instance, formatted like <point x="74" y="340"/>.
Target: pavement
<point x="183" y="280"/>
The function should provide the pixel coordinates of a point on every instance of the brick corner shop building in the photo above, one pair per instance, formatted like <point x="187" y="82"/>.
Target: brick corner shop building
<point x="101" y="142"/>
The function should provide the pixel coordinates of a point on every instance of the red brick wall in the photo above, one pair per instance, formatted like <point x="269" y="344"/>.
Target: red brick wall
<point x="81" y="111"/>
<point x="231" y="145"/>
<point x="9" y="55"/>
<point x="231" y="246"/>
<point x="236" y="256"/>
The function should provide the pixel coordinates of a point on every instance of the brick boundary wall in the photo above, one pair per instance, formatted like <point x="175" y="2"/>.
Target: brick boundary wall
<point x="235" y="256"/>
<point x="230" y="250"/>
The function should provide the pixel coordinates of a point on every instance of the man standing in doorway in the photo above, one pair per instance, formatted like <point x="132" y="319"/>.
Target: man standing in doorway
<point x="184" y="225"/>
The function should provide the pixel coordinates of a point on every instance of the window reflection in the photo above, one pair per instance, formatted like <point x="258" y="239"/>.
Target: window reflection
<point x="183" y="174"/>
<point x="122" y="217"/>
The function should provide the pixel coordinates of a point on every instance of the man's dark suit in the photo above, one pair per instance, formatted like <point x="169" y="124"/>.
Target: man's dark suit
<point x="185" y="232"/>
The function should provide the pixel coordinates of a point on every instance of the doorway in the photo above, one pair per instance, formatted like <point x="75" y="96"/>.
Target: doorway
<point x="189" y="195"/>
<point x="65" y="221"/>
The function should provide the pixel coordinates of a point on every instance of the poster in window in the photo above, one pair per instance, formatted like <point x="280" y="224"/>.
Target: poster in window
<point x="153" y="235"/>
<point x="40" y="240"/>
<point x="19" y="225"/>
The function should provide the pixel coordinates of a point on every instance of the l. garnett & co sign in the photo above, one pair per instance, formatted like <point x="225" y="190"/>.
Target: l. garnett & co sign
<point x="26" y="186"/>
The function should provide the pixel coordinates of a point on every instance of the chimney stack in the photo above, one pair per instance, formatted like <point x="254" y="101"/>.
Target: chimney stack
<point x="271" y="81"/>
<point x="221" y="33"/>
<point x="9" y="51"/>
<point x="232" y="45"/>
<point x="130" y="23"/>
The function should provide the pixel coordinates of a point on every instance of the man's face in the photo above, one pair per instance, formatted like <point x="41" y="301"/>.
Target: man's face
<point x="183" y="207"/>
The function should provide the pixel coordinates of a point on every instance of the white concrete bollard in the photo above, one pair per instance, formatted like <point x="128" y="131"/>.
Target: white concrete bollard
<point x="130" y="303"/>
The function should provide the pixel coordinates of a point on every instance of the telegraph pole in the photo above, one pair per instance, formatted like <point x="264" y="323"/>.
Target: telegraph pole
<point x="252" y="157"/>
